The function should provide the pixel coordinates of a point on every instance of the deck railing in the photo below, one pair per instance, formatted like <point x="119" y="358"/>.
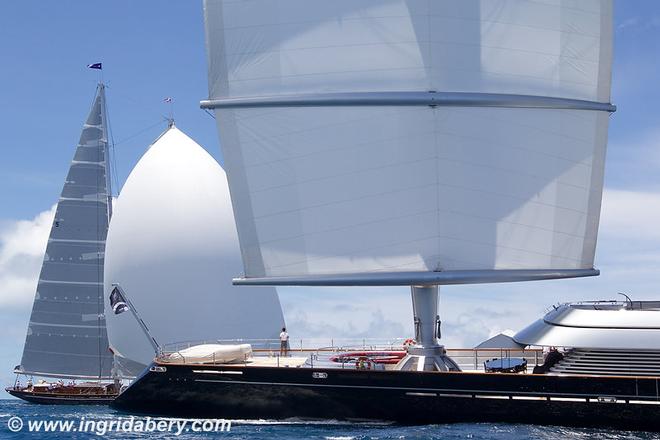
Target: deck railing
<point x="314" y="348"/>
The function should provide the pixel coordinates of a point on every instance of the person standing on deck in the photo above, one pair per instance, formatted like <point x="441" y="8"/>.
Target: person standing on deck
<point x="284" y="342"/>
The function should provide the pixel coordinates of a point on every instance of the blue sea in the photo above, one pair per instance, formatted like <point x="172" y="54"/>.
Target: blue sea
<point x="98" y="420"/>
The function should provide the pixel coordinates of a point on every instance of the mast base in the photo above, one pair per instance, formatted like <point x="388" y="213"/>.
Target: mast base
<point x="427" y="354"/>
<point x="427" y="359"/>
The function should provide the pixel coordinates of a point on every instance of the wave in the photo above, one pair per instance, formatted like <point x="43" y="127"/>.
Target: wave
<point x="296" y="421"/>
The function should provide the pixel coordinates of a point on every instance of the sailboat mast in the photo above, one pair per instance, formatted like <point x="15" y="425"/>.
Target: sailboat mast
<point x="108" y="196"/>
<point x="106" y="141"/>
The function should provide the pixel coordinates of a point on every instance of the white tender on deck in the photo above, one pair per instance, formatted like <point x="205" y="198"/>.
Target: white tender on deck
<point x="209" y="354"/>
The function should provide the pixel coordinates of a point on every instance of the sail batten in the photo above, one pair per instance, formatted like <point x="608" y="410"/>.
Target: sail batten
<point x="446" y="99"/>
<point x="403" y="136"/>
<point x="62" y="375"/>
<point x="67" y="335"/>
<point x="403" y="278"/>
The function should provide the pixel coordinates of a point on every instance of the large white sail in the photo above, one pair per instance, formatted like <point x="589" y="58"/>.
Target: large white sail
<point x="172" y="249"/>
<point x="67" y="334"/>
<point x="401" y="135"/>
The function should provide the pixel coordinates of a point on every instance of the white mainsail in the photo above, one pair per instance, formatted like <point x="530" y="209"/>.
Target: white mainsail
<point x="403" y="136"/>
<point x="172" y="248"/>
<point x="67" y="334"/>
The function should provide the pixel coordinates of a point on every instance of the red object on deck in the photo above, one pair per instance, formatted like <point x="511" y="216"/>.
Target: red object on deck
<point x="377" y="357"/>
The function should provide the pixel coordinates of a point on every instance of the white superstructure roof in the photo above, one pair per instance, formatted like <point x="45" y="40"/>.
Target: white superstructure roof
<point x="609" y="324"/>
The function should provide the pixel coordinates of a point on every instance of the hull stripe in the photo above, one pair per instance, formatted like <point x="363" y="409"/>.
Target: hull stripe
<point x="476" y="393"/>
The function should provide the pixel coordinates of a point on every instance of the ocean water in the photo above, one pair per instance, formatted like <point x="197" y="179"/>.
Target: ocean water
<point x="99" y="417"/>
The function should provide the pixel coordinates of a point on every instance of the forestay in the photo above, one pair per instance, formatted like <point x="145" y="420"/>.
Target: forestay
<point x="402" y="136"/>
<point x="67" y="334"/>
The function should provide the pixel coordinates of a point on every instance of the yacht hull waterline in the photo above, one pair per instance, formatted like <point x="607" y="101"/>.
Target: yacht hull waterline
<point x="61" y="399"/>
<point x="251" y="392"/>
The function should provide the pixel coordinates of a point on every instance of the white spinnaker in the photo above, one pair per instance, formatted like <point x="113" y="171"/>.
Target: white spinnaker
<point x="172" y="247"/>
<point x="331" y="190"/>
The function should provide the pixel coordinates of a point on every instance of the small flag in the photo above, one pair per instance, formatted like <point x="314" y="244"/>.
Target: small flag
<point x="95" y="66"/>
<point x="168" y="99"/>
<point x="118" y="302"/>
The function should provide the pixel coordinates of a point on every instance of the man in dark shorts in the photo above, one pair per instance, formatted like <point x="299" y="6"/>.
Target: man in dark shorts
<point x="284" y="342"/>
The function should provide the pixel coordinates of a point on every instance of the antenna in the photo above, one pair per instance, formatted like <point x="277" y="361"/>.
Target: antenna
<point x="170" y="121"/>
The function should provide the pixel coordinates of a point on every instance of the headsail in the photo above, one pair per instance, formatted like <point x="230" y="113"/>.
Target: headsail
<point x="67" y="334"/>
<point x="464" y="137"/>
<point x="173" y="250"/>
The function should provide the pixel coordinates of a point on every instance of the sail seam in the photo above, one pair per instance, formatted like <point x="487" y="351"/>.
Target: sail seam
<point x="80" y="199"/>
<point x="88" y="162"/>
<point x="94" y="283"/>
<point x="63" y="325"/>
<point x="72" y="240"/>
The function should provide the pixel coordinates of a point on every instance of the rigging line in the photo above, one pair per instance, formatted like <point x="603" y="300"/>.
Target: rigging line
<point x="209" y="113"/>
<point x="112" y="162"/>
<point x="140" y="132"/>
<point x="153" y="108"/>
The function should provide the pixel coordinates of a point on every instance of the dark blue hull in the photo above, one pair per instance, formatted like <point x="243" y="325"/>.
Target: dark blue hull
<point x="396" y="396"/>
<point x="62" y="399"/>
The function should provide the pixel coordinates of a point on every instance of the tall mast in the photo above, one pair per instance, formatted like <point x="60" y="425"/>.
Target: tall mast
<point x="108" y="147"/>
<point x="102" y="343"/>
